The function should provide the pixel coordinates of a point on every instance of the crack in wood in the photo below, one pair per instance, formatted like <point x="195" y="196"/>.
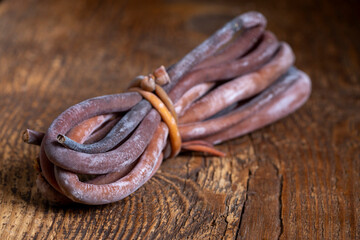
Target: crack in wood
<point x="227" y="200"/>
<point x="281" y="207"/>
<point x="243" y="206"/>
<point x="226" y="217"/>
<point x="187" y="173"/>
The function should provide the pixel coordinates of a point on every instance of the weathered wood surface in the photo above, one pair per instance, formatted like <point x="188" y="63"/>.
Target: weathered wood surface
<point x="298" y="178"/>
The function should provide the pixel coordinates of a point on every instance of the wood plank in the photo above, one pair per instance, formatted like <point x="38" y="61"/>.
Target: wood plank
<point x="298" y="178"/>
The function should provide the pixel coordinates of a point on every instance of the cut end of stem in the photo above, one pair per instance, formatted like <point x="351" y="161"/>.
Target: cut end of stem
<point x="26" y="136"/>
<point x="60" y="138"/>
<point x="32" y="137"/>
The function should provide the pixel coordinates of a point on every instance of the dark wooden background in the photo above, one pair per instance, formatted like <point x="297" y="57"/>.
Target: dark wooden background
<point x="298" y="178"/>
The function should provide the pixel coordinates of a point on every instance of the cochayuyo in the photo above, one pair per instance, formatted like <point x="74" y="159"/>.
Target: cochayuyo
<point x="237" y="81"/>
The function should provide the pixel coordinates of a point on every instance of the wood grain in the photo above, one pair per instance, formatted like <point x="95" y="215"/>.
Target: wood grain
<point x="296" y="179"/>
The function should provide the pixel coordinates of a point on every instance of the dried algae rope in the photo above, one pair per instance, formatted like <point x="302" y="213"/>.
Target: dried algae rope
<point x="238" y="80"/>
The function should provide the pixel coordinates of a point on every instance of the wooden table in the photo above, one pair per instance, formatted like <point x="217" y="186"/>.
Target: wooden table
<point x="298" y="178"/>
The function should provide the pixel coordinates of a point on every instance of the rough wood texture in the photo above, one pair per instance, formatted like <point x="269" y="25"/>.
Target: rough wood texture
<point x="299" y="178"/>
